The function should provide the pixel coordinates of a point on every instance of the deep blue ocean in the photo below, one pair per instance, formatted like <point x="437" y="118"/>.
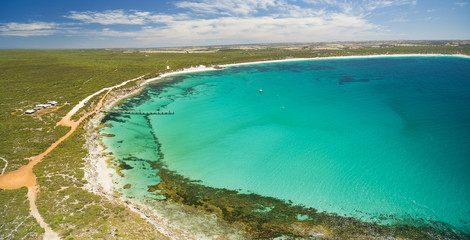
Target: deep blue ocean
<point x="381" y="139"/>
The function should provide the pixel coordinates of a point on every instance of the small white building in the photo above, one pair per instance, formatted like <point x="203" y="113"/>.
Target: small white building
<point x="30" y="111"/>
<point x="43" y="105"/>
<point x="53" y="103"/>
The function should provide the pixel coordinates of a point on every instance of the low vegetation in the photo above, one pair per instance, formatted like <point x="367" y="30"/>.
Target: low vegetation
<point x="30" y="77"/>
<point x="16" y="221"/>
<point x="76" y="213"/>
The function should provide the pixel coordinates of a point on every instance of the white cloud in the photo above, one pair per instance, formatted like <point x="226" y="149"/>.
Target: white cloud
<point x="226" y="22"/>
<point x="461" y="4"/>
<point x="28" y="26"/>
<point x="28" y="29"/>
<point x="230" y="7"/>
<point x="360" y="6"/>
<point x="234" y="21"/>
<point x="230" y="30"/>
<point x="109" y="17"/>
<point x="112" y="17"/>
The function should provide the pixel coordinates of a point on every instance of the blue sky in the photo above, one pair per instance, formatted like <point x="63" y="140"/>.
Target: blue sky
<point x="164" y="23"/>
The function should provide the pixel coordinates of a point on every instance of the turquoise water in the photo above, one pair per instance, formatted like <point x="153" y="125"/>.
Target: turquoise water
<point x="368" y="137"/>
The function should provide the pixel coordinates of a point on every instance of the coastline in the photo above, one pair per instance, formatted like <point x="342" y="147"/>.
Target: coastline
<point x="97" y="172"/>
<point x="167" y="217"/>
<point x="100" y="181"/>
<point x="202" y="68"/>
<point x="348" y="57"/>
<point x="98" y="176"/>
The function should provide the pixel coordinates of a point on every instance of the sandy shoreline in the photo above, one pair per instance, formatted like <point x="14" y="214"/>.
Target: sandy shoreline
<point x="99" y="175"/>
<point x="168" y="218"/>
<point x="347" y="57"/>
<point x="97" y="172"/>
<point x="203" y="68"/>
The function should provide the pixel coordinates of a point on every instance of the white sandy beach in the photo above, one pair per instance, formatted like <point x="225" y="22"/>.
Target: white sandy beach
<point x="347" y="57"/>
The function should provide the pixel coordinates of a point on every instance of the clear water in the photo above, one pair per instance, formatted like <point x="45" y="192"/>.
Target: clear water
<point x="358" y="137"/>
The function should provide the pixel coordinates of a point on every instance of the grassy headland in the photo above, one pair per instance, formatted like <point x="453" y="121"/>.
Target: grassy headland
<point x="30" y="77"/>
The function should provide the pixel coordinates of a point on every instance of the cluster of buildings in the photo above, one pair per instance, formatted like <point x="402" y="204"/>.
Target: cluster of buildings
<point x="41" y="106"/>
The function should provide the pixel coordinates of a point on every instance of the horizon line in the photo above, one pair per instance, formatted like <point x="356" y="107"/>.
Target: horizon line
<point x="244" y="44"/>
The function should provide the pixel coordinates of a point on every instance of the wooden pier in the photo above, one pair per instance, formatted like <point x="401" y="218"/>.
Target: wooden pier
<point x="140" y="113"/>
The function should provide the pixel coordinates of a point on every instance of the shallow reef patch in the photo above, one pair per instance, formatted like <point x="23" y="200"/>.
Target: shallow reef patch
<point x="267" y="217"/>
